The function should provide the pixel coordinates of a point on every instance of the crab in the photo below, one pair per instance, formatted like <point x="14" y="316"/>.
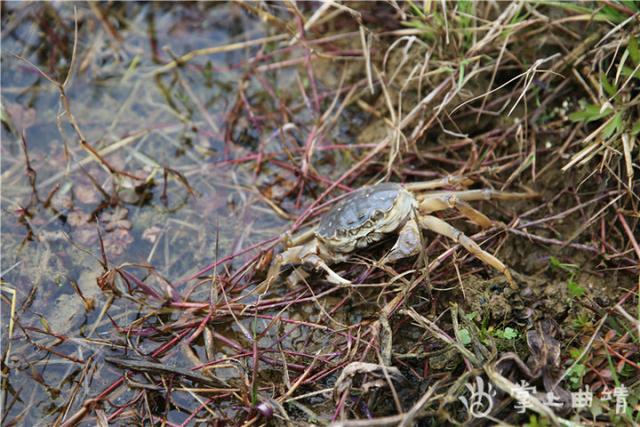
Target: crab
<point x="372" y="213"/>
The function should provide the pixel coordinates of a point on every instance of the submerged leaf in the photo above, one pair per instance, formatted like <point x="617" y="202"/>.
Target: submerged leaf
<point x="116" y="219"/>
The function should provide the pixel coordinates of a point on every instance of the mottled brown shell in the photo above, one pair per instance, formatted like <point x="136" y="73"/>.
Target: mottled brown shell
<point x="364" y="216"/>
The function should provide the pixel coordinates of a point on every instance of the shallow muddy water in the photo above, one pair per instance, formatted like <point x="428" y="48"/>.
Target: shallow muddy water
<point x="191" y="192"/>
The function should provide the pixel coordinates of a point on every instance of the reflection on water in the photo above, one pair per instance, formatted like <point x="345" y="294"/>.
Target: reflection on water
<point x="179" y="166"/>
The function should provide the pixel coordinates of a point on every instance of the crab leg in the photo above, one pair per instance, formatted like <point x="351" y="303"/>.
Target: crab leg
<point x="441" y="227"/>
<point x="438" y="183"/>
<point x="300" y="238"/>
<point x="484" y="194"/>
<point x="332" y="276"/>
<point x="304" y="254"/>
<point x="442" y="202"/>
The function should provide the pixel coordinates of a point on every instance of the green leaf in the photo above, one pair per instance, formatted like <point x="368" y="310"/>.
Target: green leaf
<point x="464" y="336"/>
<point x="578" y="9"/>
<point x="4" y="117"/>
<point x="575" y="353"/>
<point x="45" y="324"/>
<point x="576" y="373"/>
<point x="465" y="11"/>
<point x="582" y="321"/>
<point x="627" y="71"/>
<point x="535" y="422"/>
<point x="465" y="6"/>
<point x="608" y="87"/>
<point x="574" y="289"/>
<point x="556" y="263"/>
<point x="590" y="113"/>
<point x="634" y="52"/>
<point x="509" y="333"/>
<point x="207" y="72"/>
<point x="472" y="315"/>
<point x="612" y="14"/>
<point x="631" y="5"/>
<point x="517" y="18"/>
<point x="461" y="75"/>
<point x="132" y="68"/>
<point x="569" y="6"/>
<point x="596" y="408"/>
<point x="416" y="9"/>
<point x="635" y="129"/>
<point x="614" y="125"/>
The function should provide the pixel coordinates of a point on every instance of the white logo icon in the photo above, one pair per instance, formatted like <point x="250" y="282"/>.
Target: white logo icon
<point x="480" y="402"/>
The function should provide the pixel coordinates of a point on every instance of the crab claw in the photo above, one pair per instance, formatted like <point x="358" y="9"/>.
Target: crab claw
<point x="274" y="271"/>
<point x="332" y="276"/>
<point x="408" y="243"/>
<point x="335" y="278"/>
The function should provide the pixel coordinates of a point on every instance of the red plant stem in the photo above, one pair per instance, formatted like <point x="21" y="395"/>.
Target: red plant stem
<point x="256" y="363"/>
<point x="603" y="234"/>
<point x="201" y="407"/>
<point x="201" y="326"/>
<point x="292" y="321"/>
<point x="90" y="403"/>
<point x="627" y="230"/>
<point x="57" y="353"/>
<point x="320" y="375"/>
<point x="620" y="356"/>
<point x="340" y="405"/>
<point x="139" y="283"/>
<point x="331" y="147"/>
<point x="168" y="345"/>
<point x="309" y="174"/>
<point x="250" y="353"/>
<point x="624" y="298"/>
<point x="117" y="412"/>
<point x="235" y="278"/>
